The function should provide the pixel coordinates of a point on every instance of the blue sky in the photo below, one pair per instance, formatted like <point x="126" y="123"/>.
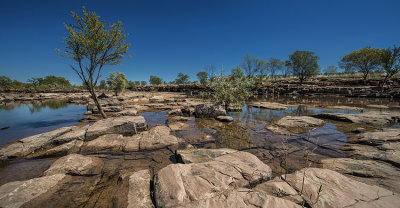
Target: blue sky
<point x="172" y="36"/>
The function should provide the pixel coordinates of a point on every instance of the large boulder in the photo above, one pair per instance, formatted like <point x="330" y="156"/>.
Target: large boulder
<point x="75" y="164"/>
<point x="125" y="125"/>
<point x="369" y="118"/>
<point x="181" y="184"/>
<point x="201" y="155"/>
<point x="15" y="194"/>
<point x="209" y="110"/>
<point x="133" y="190"/>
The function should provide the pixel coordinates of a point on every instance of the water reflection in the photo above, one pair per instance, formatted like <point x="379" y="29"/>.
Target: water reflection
<point x="26" y="120"/>
<point x="36" y="106"/>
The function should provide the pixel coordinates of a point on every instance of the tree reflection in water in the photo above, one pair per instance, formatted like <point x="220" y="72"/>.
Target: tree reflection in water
<point x="36" y="106"/>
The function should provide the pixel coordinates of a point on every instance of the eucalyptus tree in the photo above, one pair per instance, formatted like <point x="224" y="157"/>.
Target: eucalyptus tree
<point x="182" y="79"/>
<point x="154" y="80"/>
<point x="92" y="45"/>
<point x="364" y="60"/>
<point x="390" y="62"/>
<point x="117" y="82"/>
<point x="304" y="64"/>
<point x="237" y="73"/>
<point x="202" y="76"/>
<point x="274" y="65"/>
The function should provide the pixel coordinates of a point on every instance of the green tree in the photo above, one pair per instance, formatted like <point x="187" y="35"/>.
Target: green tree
<point x="230" y="90"/>
<point x="182" y="79"/>
<point x="154" y="80"/>
<point x="202" y="76"/>
<point x="390" y="62"/>
<point x="17" y="84"/>
<point x="237" y="73"/>
<point x="364" y="60"/>
<point x="304" y="64"/>
<point x="103" y="85"/>
<point x="137" y="83"/>
<point x="330" y="70"/>
<point x="117" y="82"/>
<point x="131" y="85"/>
<point x="143" y="83"/>
<point x="93" y="45"/>
<point x="5" y="82"/>
<point x="35" y="82"/>
<point x="274" y="65"/>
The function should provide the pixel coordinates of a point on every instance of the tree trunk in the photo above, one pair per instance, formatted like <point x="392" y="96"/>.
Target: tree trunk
<point x="96" y="101"/>
<point x="365" y="75"/>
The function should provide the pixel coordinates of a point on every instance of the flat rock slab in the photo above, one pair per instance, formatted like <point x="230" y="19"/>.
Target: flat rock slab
<point x="241" y="197"/>
<point x="125" y="125"/>
<point x="133" y="190"/>
<point x="201" y="155"/>
<point x="278" y="187"/>
<point x="76" y="133"/>
<point x="338" y="190"/>
<point x="105" y="143"/>
<point x="178" y="126"/>
<point x="127" y="112"/>
<point x="180" y="184"/>
<point x="391" y="156"/>
<point x="75" y="164"/>
<point x="369" y="118"/>
<point x="377" y="137"/>
<point x="269" y="106"/>
<point x="28" y="145"/>
<point x="15" y="194"/>
<point x="73" y="146"/>
<point x="367" y="171"/>
<point x="295" y="124"/>
<point x="155" y="138"/>
<point x="224" y="118"/>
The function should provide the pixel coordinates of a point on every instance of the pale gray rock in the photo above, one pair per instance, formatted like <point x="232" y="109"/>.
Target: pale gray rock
<point x="269" y="106"/>
<point x="125" y="125"/>
<point x="224" y="118"/>
<point x="367" y="171"/>
<point x="75" y="164"/>
<point x="192" y="155"/>
<point x="17" y="193"/>
<point x="369" y="118"/>
<point x="181" y="184"/>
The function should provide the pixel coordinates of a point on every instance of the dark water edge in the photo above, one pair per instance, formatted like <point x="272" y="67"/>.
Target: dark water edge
<point x="25" y="120"/>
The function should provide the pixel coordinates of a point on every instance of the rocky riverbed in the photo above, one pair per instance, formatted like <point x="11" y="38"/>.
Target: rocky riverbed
<point x="170" y="150"/>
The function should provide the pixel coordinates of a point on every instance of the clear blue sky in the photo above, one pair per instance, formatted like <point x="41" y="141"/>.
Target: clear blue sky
<point x="172" y="36"/>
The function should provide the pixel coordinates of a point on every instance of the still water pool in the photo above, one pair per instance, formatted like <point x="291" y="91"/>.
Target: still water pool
<point x="23" y="120"/>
